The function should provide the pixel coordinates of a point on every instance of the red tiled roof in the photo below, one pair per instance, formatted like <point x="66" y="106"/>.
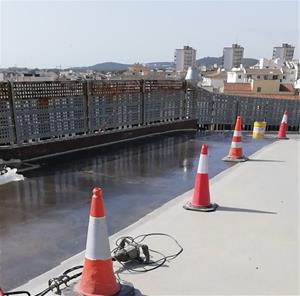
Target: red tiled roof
<point x="288" y="87"/>
<point x="237" y="86"/>
<point x="267" y="96"/>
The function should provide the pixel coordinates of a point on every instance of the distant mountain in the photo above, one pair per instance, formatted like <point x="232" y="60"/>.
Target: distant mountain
<point x="111" y="66"/>
<point x="210" y="61"/>
<point x="248" y="62"/>
<point x="161" y="65"/>
<point x="108" y="66"/>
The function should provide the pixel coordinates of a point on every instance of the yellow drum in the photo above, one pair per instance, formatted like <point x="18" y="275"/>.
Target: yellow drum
<point x="259" y="129"/>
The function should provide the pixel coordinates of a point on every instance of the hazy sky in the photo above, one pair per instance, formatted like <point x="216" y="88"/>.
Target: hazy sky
<point x="81" y="33"/>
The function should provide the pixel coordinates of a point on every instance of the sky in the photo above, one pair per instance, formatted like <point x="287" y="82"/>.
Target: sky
<point x="64" y="34"/>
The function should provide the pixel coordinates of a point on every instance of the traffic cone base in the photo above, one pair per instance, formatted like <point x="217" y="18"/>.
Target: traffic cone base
<point x="209" y="208"/>
<point x="231" y="159"/>
<point x="126" y="289"/>
<point x="94" y="268"/>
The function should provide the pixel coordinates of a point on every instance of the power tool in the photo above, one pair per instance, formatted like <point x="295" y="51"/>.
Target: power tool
<point x="129" y="250"/>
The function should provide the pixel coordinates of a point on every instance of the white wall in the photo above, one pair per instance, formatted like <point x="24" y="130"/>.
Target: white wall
<point x="236" y="77"/>
<point x="228" y="58"/>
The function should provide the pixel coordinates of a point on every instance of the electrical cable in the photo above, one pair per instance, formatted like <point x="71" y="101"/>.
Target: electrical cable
<point x="137" y="241"/>
<point x="54" y="284"/>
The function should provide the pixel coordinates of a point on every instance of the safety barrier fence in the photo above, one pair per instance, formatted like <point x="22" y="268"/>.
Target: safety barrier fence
<point x="43" y="111"/>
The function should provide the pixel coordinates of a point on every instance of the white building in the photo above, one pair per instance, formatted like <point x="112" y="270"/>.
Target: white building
<point x="185" y="58"/>
<point x="290" y="72"/>
<point x="237" y="75"/>
<point x="232" y="56"/>
<point x="289" y="69"/>
<point x="269" y="63"/>
<point x="284" y="52"/>
<point x="214" y="81"/>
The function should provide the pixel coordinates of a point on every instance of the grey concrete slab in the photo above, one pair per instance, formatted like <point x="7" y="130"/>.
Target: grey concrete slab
<point x="250" y="245"/>
<point x="47" y="213"/>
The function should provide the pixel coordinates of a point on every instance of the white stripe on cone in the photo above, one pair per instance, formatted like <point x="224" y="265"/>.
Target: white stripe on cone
<point x="203" y="164"/>
<point x="236" y="144"/>
<point x="97" y="245"/>
<point x="284" y="119"/>
<point x="237" y="134"/>
<point x="258" y="129"/>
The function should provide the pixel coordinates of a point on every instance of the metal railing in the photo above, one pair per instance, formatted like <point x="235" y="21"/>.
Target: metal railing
<point x="50" y="111"/>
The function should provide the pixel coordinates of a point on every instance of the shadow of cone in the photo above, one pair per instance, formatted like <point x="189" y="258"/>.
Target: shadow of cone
<point x="201" y="195"/>
<point x="97" y="276"/>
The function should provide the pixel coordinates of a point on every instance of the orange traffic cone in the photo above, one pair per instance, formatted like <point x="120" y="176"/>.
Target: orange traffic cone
<point x="283" y="127"/>
<point x="201" y="196"/>
<point x="236" y="149"/>
<point x="97" y="276"/>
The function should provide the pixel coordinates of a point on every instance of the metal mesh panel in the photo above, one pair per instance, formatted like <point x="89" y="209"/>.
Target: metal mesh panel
<point x="204" y="105"/>
<point x="275" y="109"/>
<point x="224" y="109"/>
<point x="6" y="122"/>
<point x="164" y="100"/>
<point x="45" y="110"/>
<point x="294" y="113"/>
<point x="114" y="104"/>
<point x="252" y="109"/>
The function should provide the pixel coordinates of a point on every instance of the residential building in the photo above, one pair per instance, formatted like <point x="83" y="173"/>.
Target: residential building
<point x="214" y="80"/>
<point x="139" y="69"/>
<point x="290" y="72"/>
<point x="185" y="58"/>
<point x="284" y="52"/>
<point x="272" y="87"/>
<point x="232" y="56"/>
<point x="237" y="75"/>
<point x="264" y="74"/>
<point x="278" y="81"/>
<point x="269" y="63"/>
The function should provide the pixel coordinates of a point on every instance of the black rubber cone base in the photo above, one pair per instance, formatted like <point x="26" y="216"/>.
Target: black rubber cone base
<point x="126" y="289"/>
<point x="285" y="138"/>
<point x="230" y="159"/>
<point x="210" y="208"/>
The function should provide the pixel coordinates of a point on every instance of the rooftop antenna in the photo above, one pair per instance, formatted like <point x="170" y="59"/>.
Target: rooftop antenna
<point x="236" y="39"/>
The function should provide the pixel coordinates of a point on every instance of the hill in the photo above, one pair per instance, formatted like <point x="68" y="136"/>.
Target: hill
<point x="210" y="61"/>
<point x="107" y="66"/>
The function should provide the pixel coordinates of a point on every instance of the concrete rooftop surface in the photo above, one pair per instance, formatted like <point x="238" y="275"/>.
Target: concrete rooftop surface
<point x="249" y="246"/>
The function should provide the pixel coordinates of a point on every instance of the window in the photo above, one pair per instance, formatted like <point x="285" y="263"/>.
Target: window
<point x="258" y="89"/>
<point x="284" y="77"/>
<point x="249" y="76"/>
<point x="239" y="76"/>
<point x="258" y="76"/>
<point x="275" y="77"/>
<point x="265" y="77"/>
